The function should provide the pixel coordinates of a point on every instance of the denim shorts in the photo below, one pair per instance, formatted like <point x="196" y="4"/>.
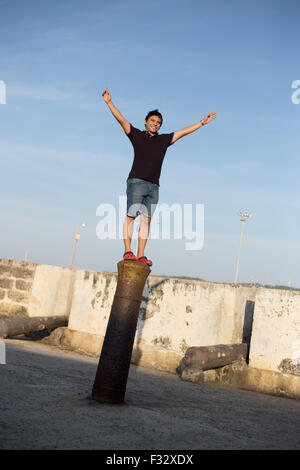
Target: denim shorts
<point x="142" y="197"/>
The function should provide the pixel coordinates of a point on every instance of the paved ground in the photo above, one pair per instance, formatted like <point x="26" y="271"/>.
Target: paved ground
<point x="44" y="405"/>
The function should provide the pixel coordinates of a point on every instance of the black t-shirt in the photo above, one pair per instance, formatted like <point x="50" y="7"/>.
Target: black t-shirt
<point x="149" y="153"/>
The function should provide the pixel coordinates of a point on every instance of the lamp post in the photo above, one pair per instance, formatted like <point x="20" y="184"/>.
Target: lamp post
<point x="243" y="217"/>
<point x="76" y="238"/>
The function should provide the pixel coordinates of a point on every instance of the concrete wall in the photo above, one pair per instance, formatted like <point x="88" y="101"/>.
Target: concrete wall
<point x="275" y="342"/>
<point x="274" y="360"/>
<point x="173" y="312"/>
<point x="174" y="315"/>
<point x="51" y="292"/>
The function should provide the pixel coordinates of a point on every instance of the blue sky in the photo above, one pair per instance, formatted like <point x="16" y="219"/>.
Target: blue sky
<point x="62" y="153"/>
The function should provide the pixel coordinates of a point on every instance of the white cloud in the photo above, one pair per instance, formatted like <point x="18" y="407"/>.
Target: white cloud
<point x="12" y="150"/>
<point x="45" y="94"/>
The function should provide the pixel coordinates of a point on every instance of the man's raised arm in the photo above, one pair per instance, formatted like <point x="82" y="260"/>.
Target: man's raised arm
<point x="187" y="130"/>
<point x="116" y="113"/>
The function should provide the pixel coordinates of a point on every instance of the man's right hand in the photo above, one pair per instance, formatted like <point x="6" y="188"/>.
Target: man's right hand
<point x="106" y="96"/>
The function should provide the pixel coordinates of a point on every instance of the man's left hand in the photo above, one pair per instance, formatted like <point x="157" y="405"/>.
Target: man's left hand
<point x="209" y="117"/>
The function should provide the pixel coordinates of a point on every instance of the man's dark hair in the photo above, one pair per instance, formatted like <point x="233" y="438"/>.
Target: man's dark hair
<point x="155" y="112"/>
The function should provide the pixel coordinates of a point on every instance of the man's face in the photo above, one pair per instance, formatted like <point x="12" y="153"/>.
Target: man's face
<point x="153" y="124"/>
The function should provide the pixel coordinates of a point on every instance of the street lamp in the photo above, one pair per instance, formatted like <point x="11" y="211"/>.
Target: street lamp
<point x="76" y="238"/>
<point x="243" y="217"/>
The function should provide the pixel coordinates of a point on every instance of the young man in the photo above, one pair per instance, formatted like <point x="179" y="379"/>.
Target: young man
<point x="143" y="181"/>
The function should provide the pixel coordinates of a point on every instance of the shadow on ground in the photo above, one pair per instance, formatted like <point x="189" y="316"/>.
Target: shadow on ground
<point x="45" y="404"/>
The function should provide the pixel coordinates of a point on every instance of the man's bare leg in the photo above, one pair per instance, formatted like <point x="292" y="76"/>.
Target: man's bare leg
<point x="127" y="232"/>
<point x="143" y="234"/>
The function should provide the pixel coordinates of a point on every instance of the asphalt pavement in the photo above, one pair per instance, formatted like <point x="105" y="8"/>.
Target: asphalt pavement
<point x="45" y="404"/>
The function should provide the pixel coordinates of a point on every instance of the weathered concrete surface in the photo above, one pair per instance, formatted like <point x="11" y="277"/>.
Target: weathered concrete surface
<point x="44" y="405"/>
<point x="275" y="341"/>
<point x="51" y="292"/>
<point x="174" y="313"/>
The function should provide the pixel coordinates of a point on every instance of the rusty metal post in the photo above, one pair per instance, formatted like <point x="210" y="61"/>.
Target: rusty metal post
<point x="113" y="367"/>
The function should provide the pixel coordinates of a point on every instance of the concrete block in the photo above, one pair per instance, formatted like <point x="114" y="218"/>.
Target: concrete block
<point x="276" y="330"/>
<point x="57" y="283"/>
<point x="81" y="341"/>
<point x="267" y="381"/>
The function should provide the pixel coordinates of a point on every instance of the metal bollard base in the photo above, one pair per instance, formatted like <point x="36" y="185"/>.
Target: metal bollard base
<point x="107" y="395"/>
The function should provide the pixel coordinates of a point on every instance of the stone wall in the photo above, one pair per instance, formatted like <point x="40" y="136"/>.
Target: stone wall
<point x="34" y="290"/>
<point x="16" y="280"/>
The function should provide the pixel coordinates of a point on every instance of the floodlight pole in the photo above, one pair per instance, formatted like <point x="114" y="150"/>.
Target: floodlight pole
<point x="76" y="238"/>
<point x="243" y="217"/>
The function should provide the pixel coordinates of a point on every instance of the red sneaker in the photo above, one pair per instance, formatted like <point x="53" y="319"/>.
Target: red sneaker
<point x="128" y="255"/>
<point x="144" y="259"/>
